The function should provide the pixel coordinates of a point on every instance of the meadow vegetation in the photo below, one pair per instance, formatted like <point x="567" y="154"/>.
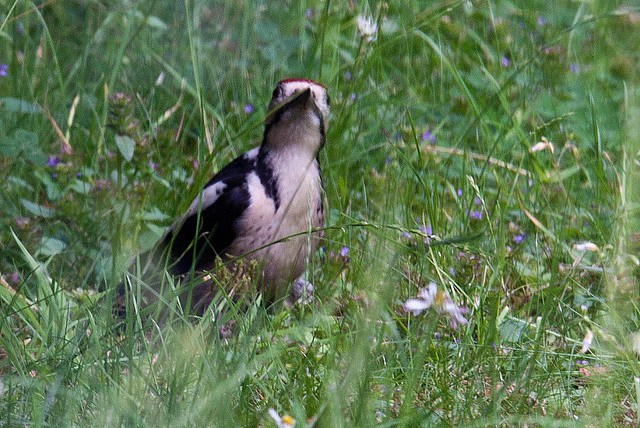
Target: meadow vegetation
<point x="488" y="150"/>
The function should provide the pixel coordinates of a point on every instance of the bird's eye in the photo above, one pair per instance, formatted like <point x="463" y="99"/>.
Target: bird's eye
<point x="276" y="92"/>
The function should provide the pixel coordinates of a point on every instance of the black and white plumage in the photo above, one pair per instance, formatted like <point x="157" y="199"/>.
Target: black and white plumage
<point x="269" y="193"/>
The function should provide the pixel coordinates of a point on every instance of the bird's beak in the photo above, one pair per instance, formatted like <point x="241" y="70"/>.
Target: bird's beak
<point x="300" y="98"/>
<point x="297" y="99"/>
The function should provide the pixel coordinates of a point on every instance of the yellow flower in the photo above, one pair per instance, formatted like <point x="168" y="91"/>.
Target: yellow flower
<point x="284" y="421"/>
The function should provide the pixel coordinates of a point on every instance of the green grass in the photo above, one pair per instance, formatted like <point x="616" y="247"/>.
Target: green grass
<point x="429" y="177"/>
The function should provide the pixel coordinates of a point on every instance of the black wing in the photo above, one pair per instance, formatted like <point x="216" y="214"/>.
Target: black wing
<point x="196" y="240"/>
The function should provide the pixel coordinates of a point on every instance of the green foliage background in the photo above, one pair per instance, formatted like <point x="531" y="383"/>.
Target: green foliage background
<point x="114" y="113"/>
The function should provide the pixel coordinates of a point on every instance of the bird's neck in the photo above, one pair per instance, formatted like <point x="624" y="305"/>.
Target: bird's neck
<point x="294" y="139"/>
<point x="287" y="166"/>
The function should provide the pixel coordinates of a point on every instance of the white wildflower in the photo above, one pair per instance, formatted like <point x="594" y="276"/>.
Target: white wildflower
<point x="586" y="246"/>
<point x="367" y="27"/>
<point x="284" y="421"/>
<point x="586" y="342"/>
<point x="440" y="301"/>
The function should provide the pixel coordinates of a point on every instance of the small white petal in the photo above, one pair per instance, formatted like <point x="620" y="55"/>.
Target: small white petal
<point x="275" y="416"/>
<point x="455" y="313"/>
<point x="541" y="146"/>
<point x="160" y="79"/>
<point x="586" y="342"/>
<point x="586" y="246"/>
<point x="429" y="294"/>
<point x="367" y="27"/>
<point x="416" y="306"/>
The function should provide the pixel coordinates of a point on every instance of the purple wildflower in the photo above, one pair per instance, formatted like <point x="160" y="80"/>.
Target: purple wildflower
<point x="504" y="61"/>
<point x="476" y="200"/>
<point x="428" y="136"/>
<point x="3" y="69"/>
<point x="575" y="68"/>
<point x="406" y="235"/>
<point x="518" y="238"/>
<point x="474" y="214"/>
<point x="347" y="75"/>
<point x="541" y="21"/>
<point x="101" y="184"/>
<point x="344" y="251"/>
<point x="353" y="96"/>
<point x="53" y="176"/>
<point x="459" y="192"/>
<point x="154" y="166"/>
<point x="452" y="271"/>
<point x="53" y="161"/>
<point x="21" y="221"/>
<point x="308" y="13"/>
<point x="426" y="230"/>
<point x="248" y="109"/>
<point x="78" y="175"/>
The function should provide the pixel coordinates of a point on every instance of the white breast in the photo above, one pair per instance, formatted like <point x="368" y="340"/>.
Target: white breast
<point x="300" y="197"/>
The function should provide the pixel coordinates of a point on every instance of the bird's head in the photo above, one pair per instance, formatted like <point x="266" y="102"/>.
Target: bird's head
<point x="298" y="106"/>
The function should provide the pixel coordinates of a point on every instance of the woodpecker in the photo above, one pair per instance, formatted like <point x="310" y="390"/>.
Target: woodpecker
<point x="260" y="205"/>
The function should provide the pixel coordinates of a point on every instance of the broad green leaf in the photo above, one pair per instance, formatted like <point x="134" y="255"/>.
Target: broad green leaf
<point x="23" y="143"/>
<point x="18" y="106"/>
<point x="80" y="186"/>
<point x="51" y="246"/>
<point x="36" y="209"/>
<point x="20" y="182"/>
<point x="154" y="215"/>
<point x="126" y="146"/>
<point x="155" y="22"/>
<point x="511" y="330"/>
<point x="9" y="146"/>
